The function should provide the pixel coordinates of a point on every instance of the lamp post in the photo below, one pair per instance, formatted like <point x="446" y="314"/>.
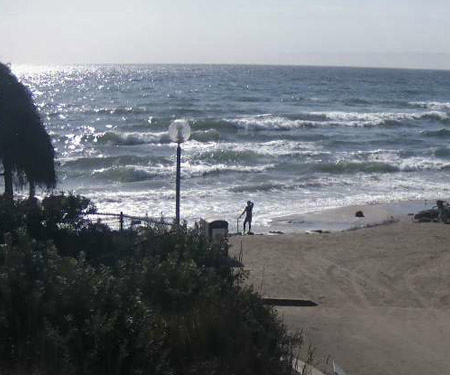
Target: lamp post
<point x="179" y="132"/>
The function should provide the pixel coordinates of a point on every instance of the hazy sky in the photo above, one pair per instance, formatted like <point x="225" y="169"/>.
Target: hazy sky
<point x="400" y="33"/>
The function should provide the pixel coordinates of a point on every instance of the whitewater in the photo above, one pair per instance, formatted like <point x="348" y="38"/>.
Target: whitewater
<point x="291" y="139"/>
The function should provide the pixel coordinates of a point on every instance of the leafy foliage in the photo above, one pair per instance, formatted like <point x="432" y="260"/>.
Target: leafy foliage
<point x="165" y="301"/>
<point x="25" y="146"/>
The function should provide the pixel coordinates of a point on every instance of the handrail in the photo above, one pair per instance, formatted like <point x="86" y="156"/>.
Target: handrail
<point x="122" y="216"/>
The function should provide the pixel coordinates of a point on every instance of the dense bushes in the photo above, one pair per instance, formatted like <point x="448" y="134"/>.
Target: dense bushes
<point x="165" y="302"/>
<point x="63" y="220"/>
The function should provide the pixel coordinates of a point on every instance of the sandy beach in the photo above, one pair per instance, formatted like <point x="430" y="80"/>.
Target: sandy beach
<point x="383" y="292"/>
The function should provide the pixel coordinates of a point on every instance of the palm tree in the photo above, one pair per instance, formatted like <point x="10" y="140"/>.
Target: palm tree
<point x="26" y="150"/>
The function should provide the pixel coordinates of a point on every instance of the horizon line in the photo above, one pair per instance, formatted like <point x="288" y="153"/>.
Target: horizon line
<point x="348" y="66"/>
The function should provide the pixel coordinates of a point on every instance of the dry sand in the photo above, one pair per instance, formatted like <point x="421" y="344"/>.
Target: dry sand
<point x="383" y="293"/>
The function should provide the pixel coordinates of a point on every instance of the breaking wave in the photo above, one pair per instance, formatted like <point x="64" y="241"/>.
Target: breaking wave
<point x="123" y="174"/>
<point x="214" y="170"/>
<point x="334" y="119"/>
<point x="252" y="188"/>
<point x="188" y="170"/>
<point x="380" y="167"/>
<point x="130" y="139"/>
<point x="435" y="106"/>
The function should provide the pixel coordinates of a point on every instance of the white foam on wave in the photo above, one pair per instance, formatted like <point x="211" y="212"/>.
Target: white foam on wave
<point x="133" y="173"/>
<point x="378" y="118"/>
<point x="405" y="164"/>
<point x="420" y="163"/>
<point x="270" y="122"/>
<point x="131" y="138"/>
<point x="395" y="159"/>
<point x="286" y="147"/>
<point x="438" y="106"/>
<point x="269" y="148"/>
<point x="197" y="170"/>
<point x="203" y="201"/>
<point x="333" y="119"/>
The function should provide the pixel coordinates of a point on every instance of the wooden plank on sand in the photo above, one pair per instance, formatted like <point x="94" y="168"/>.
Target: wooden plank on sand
<point x="289" y="302"/>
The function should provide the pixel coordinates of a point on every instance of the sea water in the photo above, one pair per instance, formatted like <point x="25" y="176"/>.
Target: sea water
<point x="290" y="139"/>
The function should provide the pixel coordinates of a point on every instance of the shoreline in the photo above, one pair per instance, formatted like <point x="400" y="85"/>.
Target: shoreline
<point x="343" y="218"/>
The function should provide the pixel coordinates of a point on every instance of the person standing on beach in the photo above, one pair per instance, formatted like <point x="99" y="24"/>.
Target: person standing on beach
<point x="248" y="211"/>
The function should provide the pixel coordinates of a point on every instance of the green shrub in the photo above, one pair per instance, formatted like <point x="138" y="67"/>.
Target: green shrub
<point x="63" y="219"/>
<point x="153" y="302"/>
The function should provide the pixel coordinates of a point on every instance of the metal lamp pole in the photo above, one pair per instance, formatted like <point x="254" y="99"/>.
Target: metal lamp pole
<point x="177" y="186"/>
<point x="179" y="131"/>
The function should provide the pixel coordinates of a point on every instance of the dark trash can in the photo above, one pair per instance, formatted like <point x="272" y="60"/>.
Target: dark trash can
<point x="217" y="230"/>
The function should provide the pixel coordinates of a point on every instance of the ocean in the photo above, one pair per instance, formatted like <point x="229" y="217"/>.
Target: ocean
<point x="291" y="139"/>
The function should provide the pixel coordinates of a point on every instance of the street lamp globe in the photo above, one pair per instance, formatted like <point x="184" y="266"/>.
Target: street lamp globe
<point x="179" y="131"/>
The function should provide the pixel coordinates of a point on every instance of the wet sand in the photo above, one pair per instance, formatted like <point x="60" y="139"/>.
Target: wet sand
<point x="383" y="293"/>
<point x="343" y="218"/>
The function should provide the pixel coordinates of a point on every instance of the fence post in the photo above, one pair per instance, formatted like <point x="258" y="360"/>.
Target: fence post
<point x="121" y="221"/>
